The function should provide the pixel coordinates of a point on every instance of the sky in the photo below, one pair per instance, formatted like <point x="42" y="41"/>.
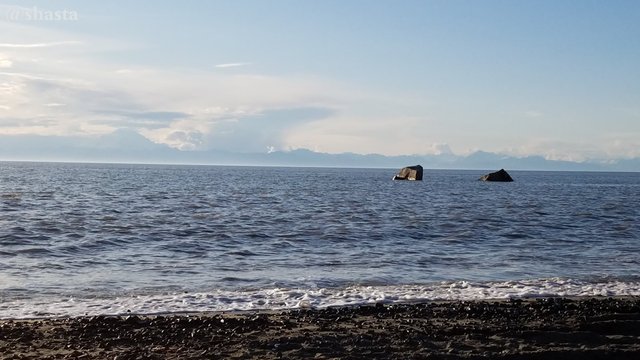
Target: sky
<point x="555" y="78"/>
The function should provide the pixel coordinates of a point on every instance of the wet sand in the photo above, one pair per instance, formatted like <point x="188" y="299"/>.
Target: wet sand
<point x="552" y="328"/>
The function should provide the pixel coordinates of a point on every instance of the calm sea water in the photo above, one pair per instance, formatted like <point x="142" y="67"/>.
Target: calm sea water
<point x="81" y="239"/>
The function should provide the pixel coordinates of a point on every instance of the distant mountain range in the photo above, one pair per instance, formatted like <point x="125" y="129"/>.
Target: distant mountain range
<point x="127" y="146"/>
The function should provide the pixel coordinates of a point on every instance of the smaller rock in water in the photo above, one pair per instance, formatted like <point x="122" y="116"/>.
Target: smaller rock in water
<point x="500" y="175"/>
<point x="409" y="173"/>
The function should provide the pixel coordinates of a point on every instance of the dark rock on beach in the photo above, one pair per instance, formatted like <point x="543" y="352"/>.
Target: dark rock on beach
<point x="500" y="175"/>
<point x="551" y="328"/>
<point x="409" y="173"/>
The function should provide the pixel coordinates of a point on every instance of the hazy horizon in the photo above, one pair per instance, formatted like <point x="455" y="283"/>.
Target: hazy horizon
<point x="128" y="147"/>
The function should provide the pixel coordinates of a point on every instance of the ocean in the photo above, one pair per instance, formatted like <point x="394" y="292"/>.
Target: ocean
<point x="88" y="239"/>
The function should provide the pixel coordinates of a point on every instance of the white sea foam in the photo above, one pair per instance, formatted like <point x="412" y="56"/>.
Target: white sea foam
<point x="280" y="298"/>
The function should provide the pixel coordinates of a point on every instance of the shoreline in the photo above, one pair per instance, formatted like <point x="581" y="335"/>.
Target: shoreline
<point x="540" y="328"/>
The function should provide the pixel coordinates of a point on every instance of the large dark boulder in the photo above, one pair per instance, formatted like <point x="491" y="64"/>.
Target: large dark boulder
<point x="500" y="175"/>
<point x="409" y="173"/>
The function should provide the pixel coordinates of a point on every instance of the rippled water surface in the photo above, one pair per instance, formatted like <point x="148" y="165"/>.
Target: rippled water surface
<point x="106" y="231"/>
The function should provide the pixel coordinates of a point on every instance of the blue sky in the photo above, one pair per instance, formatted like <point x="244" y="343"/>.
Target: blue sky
<point x="554" y="78"/>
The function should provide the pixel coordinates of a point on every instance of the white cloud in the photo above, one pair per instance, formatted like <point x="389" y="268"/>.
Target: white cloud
<point x="39" y="77"/>
<point x="558" y="149"/>
<point x="229" y="65"/>
<point x="79" y="95"/>
<point x="5" y="63"/>
<point x="625" y="145"/>
<point x="38" y="45"/>
<point x="363" y="134"/>
<point x="441" y="149"/>
<point x="57" y="88"/>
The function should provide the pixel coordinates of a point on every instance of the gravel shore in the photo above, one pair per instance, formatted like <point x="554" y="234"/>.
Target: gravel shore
<point x="550" y="328"/>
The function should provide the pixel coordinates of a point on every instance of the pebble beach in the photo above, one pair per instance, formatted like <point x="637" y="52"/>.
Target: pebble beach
<point x="545" y="328"/>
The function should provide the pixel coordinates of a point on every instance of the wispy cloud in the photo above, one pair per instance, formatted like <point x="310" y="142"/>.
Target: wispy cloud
<point x="38" y="45"/>
<point x="39" y="77"/>
<point x="229" y="65"/>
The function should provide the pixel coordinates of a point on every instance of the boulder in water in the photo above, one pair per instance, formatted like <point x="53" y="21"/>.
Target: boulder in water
<point x="500" y="175"/>
<point x="409" y="173"/>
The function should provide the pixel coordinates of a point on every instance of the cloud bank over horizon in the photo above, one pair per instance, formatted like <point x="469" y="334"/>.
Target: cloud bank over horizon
<point x="369" y="90"/>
